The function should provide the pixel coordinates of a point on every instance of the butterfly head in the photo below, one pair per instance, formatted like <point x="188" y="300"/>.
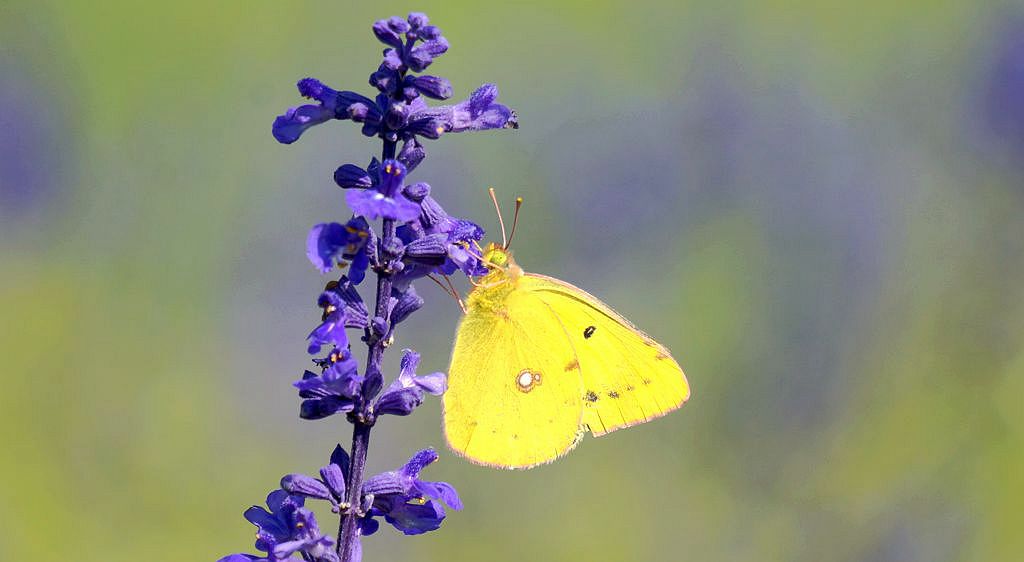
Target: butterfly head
<point x="498" y="261"/>
<point x="496" y="257"/>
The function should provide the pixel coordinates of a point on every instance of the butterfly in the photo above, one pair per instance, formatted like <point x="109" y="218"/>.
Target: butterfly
<point x="538" y="362"/>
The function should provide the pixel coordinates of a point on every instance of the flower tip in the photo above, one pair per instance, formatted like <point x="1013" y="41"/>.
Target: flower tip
<point x="417" y="19"/>
<point x="283" y="128"/>
<point x="310" y="88"/>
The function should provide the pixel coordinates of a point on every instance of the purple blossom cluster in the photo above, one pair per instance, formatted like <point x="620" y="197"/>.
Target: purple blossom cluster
<point x="416" y="238"/>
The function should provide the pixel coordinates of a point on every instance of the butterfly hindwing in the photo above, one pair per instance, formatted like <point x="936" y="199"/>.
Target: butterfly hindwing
<point x="514" y="397"/>
<point x="628" y="378"/>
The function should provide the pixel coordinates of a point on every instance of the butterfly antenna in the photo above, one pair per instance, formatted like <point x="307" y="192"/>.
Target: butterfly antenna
<point x="515" y="221"/>
<point x="504" y="240"/>
<point x="450" y="291"/>
<point x="455" y="293"/>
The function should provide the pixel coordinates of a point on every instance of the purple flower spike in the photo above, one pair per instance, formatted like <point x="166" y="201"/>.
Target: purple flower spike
<point x="387" y="200"/>
<point x="416" y="238"/>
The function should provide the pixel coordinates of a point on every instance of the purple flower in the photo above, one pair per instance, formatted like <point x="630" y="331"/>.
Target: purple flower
<point x="462" y="234"/>
<point x="478" y="113"/>
<point x="386" y="200"/>
<point x="459" y="237"/>
<point x="330" y="244"/>
<point x="343" y="308"/>
<point x="289" y="127"/>
<point x="277" y="523"/>
<point x="406" y="392"/>
<point x="307" y="540"/>
<point x="335" y="390"/>
<point x="285" y="529"/>
<point x="430" y="86"/>
<point x="330" y="486"/>
<point x="404" y="303"/>
<point x="333" y="104"/>
<point x="409" y="504"/>
<point x="405" y="55"/>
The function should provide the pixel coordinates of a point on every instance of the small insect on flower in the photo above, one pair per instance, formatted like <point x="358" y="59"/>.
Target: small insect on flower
<point x="519" y="325"/>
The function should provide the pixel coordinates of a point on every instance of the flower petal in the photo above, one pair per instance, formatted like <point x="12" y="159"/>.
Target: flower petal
<point x="434" y="383"/>
<point x="302" y="485"/>
<point x="432" y="86"/>
<point x="412" y="154"/>
<point x="318" y="408"/>
<point x="406" y="303"/>
<point x="385" y="34"/>
<point x="340" y="458"/>
<point x="400" y="402"/>
<point x="387" y="483"/>
<point x="418" y="462"/>
<point x="335" y="480"/>
<point x="289" y="127"/>
<point x="415" y="518"/>
<point x="372" y="204"/>
<point x="325" y="243"/>
<point x="429" y="250"/>
<point x="350" y="176"/>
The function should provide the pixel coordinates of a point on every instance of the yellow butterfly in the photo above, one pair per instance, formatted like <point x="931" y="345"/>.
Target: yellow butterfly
<point x="537" y="362"/>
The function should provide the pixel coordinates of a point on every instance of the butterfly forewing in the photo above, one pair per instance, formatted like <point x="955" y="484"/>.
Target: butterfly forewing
<point x="628" y="378"/>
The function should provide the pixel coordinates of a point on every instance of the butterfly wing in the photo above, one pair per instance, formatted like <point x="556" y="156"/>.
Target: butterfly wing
<point x="628" y="378"/>
<point x="514" y="397"/>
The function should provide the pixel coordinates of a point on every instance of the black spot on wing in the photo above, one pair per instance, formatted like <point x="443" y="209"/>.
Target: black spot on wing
<point x="590" y="396"/>
<point x="589" y="331"/>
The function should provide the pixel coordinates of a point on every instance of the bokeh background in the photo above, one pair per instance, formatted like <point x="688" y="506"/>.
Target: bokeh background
<point x="817" y="206"/>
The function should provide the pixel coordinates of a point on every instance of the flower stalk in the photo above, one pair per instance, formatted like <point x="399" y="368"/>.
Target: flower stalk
<point x="347" y="527"/>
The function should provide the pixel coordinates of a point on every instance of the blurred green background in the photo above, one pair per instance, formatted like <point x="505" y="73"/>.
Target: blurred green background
<point x="816" y="206"/>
